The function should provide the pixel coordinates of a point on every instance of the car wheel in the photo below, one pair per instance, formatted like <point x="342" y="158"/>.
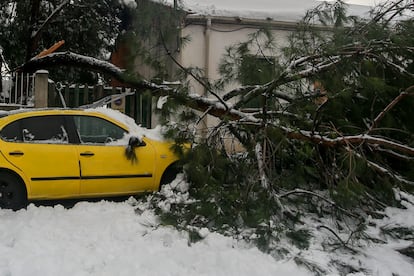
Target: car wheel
<point x="13" y="193"/>
<point x="169" y="175"/>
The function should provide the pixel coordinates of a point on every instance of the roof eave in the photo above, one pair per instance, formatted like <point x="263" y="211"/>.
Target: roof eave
<point x="200" y="19"/>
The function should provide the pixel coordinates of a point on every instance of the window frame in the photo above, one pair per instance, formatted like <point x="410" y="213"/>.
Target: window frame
<point x="73" y="127"/>
<point x="20" y="139"/>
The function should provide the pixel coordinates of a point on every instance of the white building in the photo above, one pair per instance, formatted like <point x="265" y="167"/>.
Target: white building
<point x="214" y="25"/>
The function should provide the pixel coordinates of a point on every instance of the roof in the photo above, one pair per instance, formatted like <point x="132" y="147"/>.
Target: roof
<point x="279" y="10"/>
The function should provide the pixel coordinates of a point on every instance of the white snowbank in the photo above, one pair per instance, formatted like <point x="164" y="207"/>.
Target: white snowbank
<point x="107" y="238"/>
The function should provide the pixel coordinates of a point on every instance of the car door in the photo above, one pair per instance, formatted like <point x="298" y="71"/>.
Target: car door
<point x="39" y="147"/>
<point x="105" y="169"/>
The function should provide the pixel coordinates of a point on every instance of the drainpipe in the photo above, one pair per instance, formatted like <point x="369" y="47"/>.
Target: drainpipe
<point x="178" y="42"/>
<point x="207" y="35"/>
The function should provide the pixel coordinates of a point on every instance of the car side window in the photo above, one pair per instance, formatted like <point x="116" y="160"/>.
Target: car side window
<point x="11" y="132"/>
<point x="39" y="129"/>
<point x="94" y="130"/>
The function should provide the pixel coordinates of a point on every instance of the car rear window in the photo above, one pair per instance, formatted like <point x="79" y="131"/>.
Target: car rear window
<point x="40" y="129"/>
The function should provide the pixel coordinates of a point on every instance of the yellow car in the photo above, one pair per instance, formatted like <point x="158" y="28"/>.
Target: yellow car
<point x="60" y="153"/>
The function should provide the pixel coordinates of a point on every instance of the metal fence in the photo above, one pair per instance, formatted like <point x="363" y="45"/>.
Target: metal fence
<point x="17" y="90"/>
<point x="131" y="102"/>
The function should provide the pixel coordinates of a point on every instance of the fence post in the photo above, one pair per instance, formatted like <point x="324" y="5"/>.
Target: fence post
<point x="41" y="88"/>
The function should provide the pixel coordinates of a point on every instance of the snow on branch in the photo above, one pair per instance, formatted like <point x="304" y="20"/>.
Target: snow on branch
<point x="260" y="164"/>
<point x="213" y="107"/>
<point x="384" y="171"/>
<point x="347" y="140"/>
<point x="246" y="90"/>
<point x="76" y="60"/>
<point x="409" y="92"/>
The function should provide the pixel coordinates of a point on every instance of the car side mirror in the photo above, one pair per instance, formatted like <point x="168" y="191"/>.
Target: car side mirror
<point x="133" y="143"/>
<point x="136" y="142"/>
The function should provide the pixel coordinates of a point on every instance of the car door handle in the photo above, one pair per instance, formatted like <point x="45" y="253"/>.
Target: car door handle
<point x="16" y="153"/>
<point x="87" y="153"/>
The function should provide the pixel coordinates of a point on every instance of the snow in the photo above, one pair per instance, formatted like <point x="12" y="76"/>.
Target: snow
<point x="5" y="76"/>
<point x="126" y="238"/>
<point x="135" y="130"/>
<point x="107" y="238"/>
<point x="161" y="101"/>
<point x="280" y="10"/>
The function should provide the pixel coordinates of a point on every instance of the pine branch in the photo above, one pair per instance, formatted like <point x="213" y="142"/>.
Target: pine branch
<point x="344" y="244"/>
<point x="394" y="154"/>
<point x="384" y="171"/>
<point x="408" y="92"/>
<point x="318" y="138"/>
<point x="245" y="90"/>
<point x="200" y="103"/>
<point x="313" y="194"/>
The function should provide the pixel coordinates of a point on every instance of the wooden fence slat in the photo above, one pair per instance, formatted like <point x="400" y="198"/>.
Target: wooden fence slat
<point x="76" y="101"/>
<point x="67" y="95"/>
<point x="86" y="90"/>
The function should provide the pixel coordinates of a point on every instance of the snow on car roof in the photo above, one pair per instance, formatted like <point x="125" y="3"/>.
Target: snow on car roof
<point x="135" y="130"/>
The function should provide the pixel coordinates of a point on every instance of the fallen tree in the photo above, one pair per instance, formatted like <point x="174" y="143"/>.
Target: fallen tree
<point x="224" y="110"/>
<point x="332" y="132"/>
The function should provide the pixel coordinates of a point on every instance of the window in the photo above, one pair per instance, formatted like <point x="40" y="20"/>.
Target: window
<point x="11" y="132"/>
<point x="93" y="130"/>
<point x="41" y="129"/>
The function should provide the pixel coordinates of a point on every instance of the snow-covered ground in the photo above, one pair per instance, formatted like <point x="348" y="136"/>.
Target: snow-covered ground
<point x="126" y="238"/>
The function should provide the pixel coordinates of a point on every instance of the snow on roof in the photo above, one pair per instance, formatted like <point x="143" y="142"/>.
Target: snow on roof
<point x="135" y="130"/>
<point x="279" y="10"/>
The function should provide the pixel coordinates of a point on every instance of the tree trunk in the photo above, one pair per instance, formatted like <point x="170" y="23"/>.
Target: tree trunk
<point x="34" y="17"/>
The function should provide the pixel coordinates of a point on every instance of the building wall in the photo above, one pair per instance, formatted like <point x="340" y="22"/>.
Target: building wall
<point x="208" y="45"/>
<point x="220" y="37"/>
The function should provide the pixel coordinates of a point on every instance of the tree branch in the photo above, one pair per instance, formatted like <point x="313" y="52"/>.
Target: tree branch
<point x="408" y="92"/>
<point x="309" y="193"/>
<point x="384" y="171"/>
<point x="347" y="140"/>
<point x="203" y="104"/>
<point x="36" y="33"/>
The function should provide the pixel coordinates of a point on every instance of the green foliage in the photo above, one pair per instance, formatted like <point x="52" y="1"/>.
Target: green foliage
<point x="88" y="27"/>
<point x="398" y="232"/>
<point x="244" y="194"/>
<point x="152" y="31"/>
<point x="348" y="193"/>
<point x="300" y="238"/>
<point x="241" y="63"/>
